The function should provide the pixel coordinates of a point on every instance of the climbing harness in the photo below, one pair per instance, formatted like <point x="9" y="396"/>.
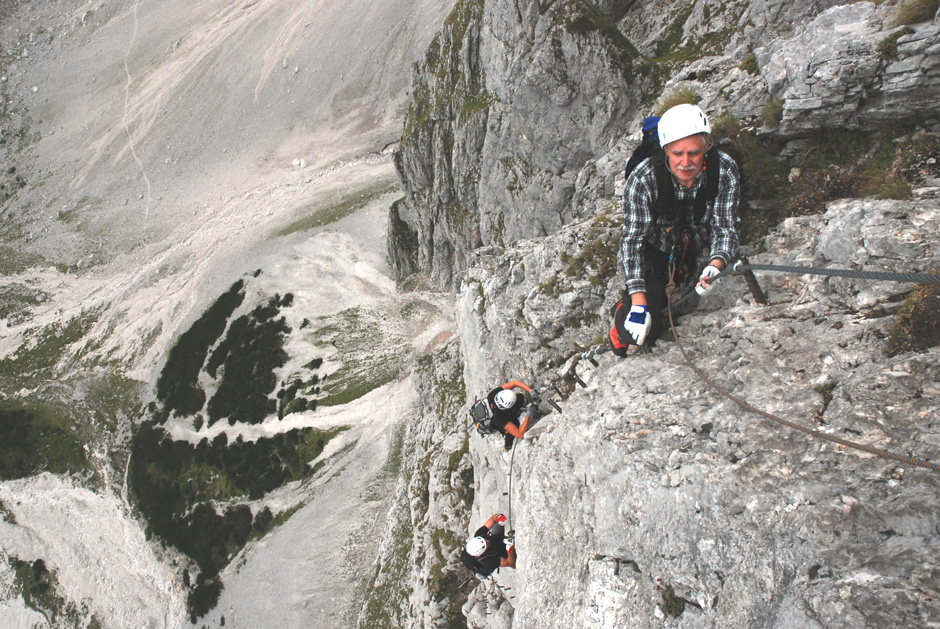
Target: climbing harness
<point x="880" y="452"/>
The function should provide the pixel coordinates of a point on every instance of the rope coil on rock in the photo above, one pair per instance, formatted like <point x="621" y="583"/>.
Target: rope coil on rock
<point x="880" y="452"/>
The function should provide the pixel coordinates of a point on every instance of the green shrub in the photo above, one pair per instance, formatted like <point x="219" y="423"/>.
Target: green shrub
<point x="772" y="113"/>
<point x="917" y="325"/>
<point x="178" y="385"/>
<point x="888" y="48"/>
<point x="749" y="64"/>
<point x="38" y="586"/>
<point x="678" y="97"/>
<point x="672" y="604"/>
<point x="37" y="439"/>
<point x="176" y="484"/>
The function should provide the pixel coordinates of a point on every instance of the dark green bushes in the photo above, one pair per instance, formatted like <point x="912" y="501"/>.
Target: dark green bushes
<point x="249" y="355"/>
<point x="178" y="385"/>
<point x="177" y="486"/>
<point x="34" y="440"/>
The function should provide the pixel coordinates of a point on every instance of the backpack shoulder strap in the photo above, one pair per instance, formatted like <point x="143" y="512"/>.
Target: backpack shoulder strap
<point x="665" y="201"/>
<point x="712" y="173"/>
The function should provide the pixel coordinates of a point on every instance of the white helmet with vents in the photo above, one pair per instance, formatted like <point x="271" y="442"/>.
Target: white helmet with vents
<point x="505" y="399"/>
<point x="682" y="121"/>
<point x="476" y="546"/>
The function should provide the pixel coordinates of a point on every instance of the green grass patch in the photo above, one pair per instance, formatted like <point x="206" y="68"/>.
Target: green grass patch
<point x="320" y="217"/>
<point x="836" y="163"/>
<point x="749" y="64"/>
<point x="826" y="390"/>
<point x="672" y="604"/>
<point x="17" y="301"/>
<point x="6" y="515"/>
<point x="13" y="258"/>
<point x="772" y="113"/>
<point x="38" y="356"/>
<point x="597" y="260"/>
<point x="917" y="325"/>
<point x="354" y="384"/>
<point x="36" y="439"/>
<point x="888" y="48"/>
<point x="369" y="362"/>
<point x="681" y="96"/>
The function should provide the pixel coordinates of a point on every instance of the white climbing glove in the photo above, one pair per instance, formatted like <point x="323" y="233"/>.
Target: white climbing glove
<point x="638" y="323"/>
<point x="709" y="271"/>
<point x="501" y="520"/>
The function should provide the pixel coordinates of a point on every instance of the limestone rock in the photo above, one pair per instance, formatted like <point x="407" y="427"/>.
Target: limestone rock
<point x="653" y="498"/>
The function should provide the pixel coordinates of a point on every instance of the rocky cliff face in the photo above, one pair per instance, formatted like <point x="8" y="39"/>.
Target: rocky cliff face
<point x="652" y="498"/>
<point x="520" y="110"/>
<point x="416" y="581"/>
<point x="512" y="103"/>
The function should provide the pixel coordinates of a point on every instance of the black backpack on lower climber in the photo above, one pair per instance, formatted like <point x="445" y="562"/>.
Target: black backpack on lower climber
<point x="473" y="565"/>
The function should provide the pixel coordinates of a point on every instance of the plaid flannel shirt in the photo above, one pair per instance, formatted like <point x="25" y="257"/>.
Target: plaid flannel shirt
<point x="640" y="230"/>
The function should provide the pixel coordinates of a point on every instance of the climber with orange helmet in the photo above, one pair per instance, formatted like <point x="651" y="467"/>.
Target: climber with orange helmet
<point x="678" y="202"/>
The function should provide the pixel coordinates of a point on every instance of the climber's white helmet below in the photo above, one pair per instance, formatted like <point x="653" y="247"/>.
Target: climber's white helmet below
<point x="682" y="121"/>
<point x="505" y="399"/>
<point x="476" y="546"/>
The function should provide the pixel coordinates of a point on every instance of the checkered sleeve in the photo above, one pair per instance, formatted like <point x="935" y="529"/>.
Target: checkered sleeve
<point x="637" y="223"/>
<point x="724" y="220"/>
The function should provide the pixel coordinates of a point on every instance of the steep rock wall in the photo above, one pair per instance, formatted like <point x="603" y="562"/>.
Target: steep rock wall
<point x="513" y="100"/>
<point x="524" y="112"/>
<point x="417" y="579"/>
<point x="651" y="499"/>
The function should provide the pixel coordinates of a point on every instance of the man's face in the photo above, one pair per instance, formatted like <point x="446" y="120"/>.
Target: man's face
<point x="685" y="158"/>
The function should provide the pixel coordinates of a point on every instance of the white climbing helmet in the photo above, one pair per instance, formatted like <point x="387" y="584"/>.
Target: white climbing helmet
<point x="682" y="121"/>
<point x="476" y="546"/>
<point x="505" y="399"/>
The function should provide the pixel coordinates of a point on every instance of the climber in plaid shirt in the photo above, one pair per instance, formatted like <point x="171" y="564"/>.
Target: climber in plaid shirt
<point x="675" y="203"/>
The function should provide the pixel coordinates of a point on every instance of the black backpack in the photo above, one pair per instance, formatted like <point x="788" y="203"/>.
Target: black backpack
<point x="473" y="565"/>
<point x="482" y="414"/>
